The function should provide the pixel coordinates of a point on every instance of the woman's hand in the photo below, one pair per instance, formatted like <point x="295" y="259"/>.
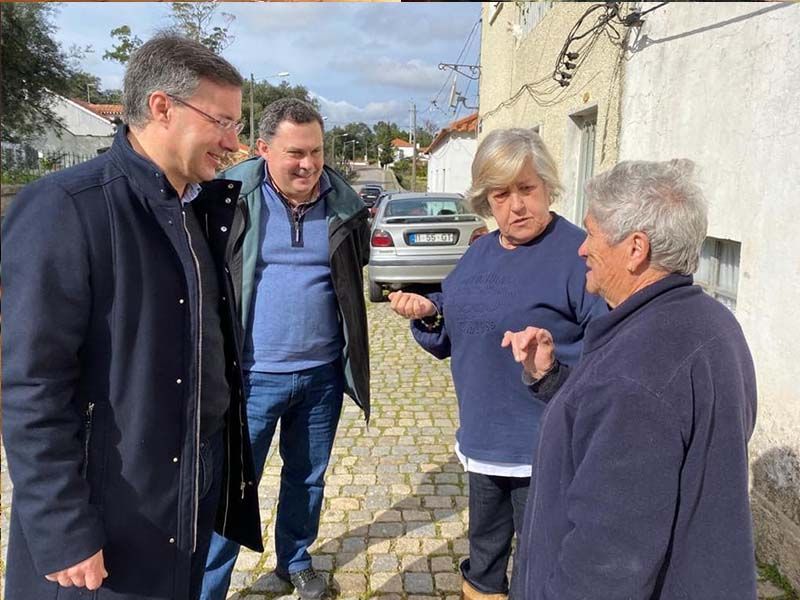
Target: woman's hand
<point x="534" y="348"/>
<point x="412" y="306"/>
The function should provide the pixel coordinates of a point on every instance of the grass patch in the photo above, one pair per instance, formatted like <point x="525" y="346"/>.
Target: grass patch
<point x="773" y="575"/>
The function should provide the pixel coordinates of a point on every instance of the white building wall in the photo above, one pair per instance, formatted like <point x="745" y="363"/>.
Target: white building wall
<point x="719" y="83"/>
<point x="450" y="164"/>
<point x="80" y="121"/>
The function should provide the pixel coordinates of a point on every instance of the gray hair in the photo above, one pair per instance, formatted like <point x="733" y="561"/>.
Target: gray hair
<point x="293" y="110"/>
<point x="660" y="199"/>
<point x="174" y="65"/>
<point x="500" y="158"/>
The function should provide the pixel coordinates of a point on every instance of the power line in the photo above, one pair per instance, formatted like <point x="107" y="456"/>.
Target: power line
<point x="464" y="48"/>
<point x="576" y="49"/>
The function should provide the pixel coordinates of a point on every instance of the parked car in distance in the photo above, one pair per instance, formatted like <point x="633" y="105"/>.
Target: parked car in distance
<point x="369" y="193"/>
<point x="418" y="238"/>
<point x="374" y="208"/>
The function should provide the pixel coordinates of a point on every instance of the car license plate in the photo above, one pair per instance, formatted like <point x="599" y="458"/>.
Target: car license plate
<point x="432" y="238"/>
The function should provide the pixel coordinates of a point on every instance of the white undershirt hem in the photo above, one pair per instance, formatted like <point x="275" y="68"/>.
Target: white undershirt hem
<point x="502" y="469"/>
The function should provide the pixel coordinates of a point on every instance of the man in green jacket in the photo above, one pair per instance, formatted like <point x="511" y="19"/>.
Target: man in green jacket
<point x="305" y="322"/>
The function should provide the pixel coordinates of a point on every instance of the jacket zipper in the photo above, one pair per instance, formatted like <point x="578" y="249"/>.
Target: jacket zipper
<point x="87" y="437"/>
<point x="198" y="358"/>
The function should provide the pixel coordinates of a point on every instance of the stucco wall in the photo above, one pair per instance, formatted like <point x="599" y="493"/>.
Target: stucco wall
<point x="57" y="140"/>
<point x="510" y="58"/>
<point x="81" y="133"/>
<point x="81" y="121"/>
<point x="450" y="163"/>
<point x="719" y="83"/>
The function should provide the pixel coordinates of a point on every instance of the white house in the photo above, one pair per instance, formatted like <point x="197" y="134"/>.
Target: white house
<point x="402" y="149"/>
<point x="450" y="156"/>
<point x="85" y="128"/>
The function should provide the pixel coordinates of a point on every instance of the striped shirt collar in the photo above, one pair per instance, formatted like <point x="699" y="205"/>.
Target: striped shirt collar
<point x="190" y="193"/>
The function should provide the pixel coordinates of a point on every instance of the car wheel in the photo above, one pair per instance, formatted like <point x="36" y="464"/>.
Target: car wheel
<point x="375" y="292"/>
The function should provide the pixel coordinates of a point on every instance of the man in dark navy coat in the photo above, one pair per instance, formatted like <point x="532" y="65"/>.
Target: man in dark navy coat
<point x="122" y="389"/>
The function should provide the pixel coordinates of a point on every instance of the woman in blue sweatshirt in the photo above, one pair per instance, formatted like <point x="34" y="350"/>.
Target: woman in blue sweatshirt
<point x="641" y="475"/>
<point x="526" y="271"/>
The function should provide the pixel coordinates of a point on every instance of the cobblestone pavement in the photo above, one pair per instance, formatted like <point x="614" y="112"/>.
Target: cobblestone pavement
<point x="395" y="518"/>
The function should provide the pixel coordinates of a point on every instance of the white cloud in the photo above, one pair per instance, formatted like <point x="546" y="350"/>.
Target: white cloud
<point x="414" y="74"/>
<point x="341" y="112"/>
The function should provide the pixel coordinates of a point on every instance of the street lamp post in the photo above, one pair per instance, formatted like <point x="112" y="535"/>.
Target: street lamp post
<point x="252" y="117"/>
<point x="333" y="145"/>
<point x="344" y="150"/>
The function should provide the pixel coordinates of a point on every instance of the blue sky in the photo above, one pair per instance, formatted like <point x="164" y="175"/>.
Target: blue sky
<point x="364" y="62"/>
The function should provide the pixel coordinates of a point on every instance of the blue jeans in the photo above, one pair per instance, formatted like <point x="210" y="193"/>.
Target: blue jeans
<point x="308" y="404"/>
<point x="212" y="461"/>
<point x="496" y="510"/>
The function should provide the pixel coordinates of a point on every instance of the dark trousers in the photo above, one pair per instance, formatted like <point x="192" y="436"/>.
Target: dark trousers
<point x="212" y="461"/>
<point x="496" y="509"/>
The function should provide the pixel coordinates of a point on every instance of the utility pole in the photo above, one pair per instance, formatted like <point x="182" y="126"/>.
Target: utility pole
<point x="252" y="133"/>
<point x="413" y="141"/>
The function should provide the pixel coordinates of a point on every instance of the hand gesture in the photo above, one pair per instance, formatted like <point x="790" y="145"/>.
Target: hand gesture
<point x="412" y="306"/>
<point x="88" y="573"/>
<point x="533" y="347"/>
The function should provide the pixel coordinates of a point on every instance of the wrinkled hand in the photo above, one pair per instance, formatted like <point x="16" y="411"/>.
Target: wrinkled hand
<point x="412" y="306"/>
<point x="88" y="573"/>
<point x="534" y="348"/>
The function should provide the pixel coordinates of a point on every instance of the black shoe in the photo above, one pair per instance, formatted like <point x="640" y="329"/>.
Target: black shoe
<point x="309" y="584"/>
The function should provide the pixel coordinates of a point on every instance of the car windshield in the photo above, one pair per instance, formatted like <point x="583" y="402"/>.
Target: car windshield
<point x="426" y="207"/>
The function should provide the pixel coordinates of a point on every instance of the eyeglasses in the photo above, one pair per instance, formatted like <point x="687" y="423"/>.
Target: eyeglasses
<point x="224" y="124"/>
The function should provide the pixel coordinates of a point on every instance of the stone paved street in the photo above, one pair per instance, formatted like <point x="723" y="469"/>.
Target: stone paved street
<point x="395" y="517"/>
<point x="395" y="514"/>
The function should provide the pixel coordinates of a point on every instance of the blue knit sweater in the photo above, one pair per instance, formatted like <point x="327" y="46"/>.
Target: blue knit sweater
<point x="493" y="290"/>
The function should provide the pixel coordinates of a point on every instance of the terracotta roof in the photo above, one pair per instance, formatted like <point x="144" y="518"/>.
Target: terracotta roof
<point x="108" y="111"/>
<point x="468" y="124"/>
<point x="401" y="143"/>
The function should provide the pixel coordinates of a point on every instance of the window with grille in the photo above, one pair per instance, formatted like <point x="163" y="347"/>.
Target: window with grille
<point x="718" y="272"/>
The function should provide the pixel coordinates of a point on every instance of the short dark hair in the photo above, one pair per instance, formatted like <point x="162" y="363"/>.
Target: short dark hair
<point x="293" y="110"/>
<point x="175" y="65"/>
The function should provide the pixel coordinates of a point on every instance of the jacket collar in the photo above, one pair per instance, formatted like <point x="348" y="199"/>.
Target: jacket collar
<point x="342" y="200"/>
<point x="144" y="175"/>
<point x="150" y="181"/>
<point x="603" y="328"/>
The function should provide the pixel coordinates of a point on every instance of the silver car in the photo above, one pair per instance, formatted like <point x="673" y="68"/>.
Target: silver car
<point x="418" y="238"/>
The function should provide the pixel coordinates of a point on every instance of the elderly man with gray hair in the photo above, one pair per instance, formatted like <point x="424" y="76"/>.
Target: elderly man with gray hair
<point x="641" y="482"/>
<point x="122" y="391"/>
<point x="305" y="323"/>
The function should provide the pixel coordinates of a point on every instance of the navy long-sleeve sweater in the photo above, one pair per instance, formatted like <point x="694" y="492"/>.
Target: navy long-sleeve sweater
<point x="493" y="290"/>
<point x="641" y="475"/>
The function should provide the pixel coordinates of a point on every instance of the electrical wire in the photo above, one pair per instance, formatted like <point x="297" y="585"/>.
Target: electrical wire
<point x="582" y="44"/>
<point x="454" y="74"/>
<point x="458" y="59"/>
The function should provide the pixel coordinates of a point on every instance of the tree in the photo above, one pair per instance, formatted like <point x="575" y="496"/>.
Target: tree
<point x="196" y="21"/>
<point x="426" y="133"/>
<point x="384" y="134"/>
<point x="85" y="86"/>
<point x="128" y="44"/>
<point x="264" y="93"/>
<point x="33" y="65"/>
